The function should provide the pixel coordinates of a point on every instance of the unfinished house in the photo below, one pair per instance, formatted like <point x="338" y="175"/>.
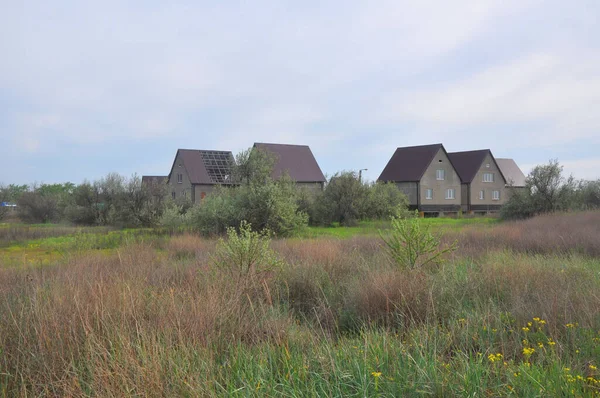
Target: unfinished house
<point x="427" y="177"/>
<point x="513" y="174"/>
<point x="483" y="184"/>
<point x="298" y="162"/>
<point x="195" y="173"/>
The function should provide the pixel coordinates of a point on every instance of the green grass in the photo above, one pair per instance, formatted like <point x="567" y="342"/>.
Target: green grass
<point x="366" y="228"/>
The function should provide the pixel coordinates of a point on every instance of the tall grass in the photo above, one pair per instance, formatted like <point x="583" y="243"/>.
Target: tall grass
<point x="158" y="319"/>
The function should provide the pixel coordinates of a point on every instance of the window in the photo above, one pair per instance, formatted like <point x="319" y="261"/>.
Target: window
<point x="487" y="165"/>
<point x="173" y="194"/>
<point x="488" y="177"/>
<point x="481" y="195"/>
<point x="429" y="194"/>
<point x="184" y="194"/>
<point x="440" y="174"/>
<point x="450" y="193"/>
<point x="179" y="178"/>
<point x="496" y="195"/>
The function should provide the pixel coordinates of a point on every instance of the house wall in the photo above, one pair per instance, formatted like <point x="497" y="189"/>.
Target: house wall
<point x="311" y="186"/>
<point x="185" y="186"/>
<point x="200" y="189"/>
<point x="478" y="185"/>
<point x="429" y="181"/>
<point x="464" y="197"/>
<point x="410" y="190"/>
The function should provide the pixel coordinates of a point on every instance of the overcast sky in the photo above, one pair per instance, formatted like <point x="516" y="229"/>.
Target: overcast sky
<point x="86" y="89"/>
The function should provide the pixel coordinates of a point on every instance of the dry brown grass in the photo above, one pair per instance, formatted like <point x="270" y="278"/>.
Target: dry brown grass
<point x="549" y="234"/>
<point x="139" y="322"/>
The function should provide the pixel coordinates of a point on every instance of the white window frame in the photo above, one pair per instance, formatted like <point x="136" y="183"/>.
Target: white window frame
<point x="179" y="178"/>
<point x="429" y="194"/>
<point x="495" y="195"/>
<point x="442" y="173"/>
<point x="488" y="177"/>
<point x="481" y="195"/>
<point x="450" y="193"/>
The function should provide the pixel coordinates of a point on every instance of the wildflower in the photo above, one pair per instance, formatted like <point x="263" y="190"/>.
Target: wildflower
<point x="495" y="357"/>
<point x="551" y="342"/>
<point x="570" y="325"/>
<point x="516" y="374"/>
<point x="541" y="345"/>
<point x="576" y="351"/>
<point x="592" y="367"/>
<point x="536" y="319"/>
<point x="376" y="374"/>
<point x="529" y="324"/>
<point x="528" y="351"/>
<point x="567" y="369"/>
<point x="525" y="342"/>
<point x="525" y="329"/>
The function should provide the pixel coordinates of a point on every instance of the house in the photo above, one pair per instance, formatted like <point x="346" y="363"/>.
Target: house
<point x="513" y="174"/>
<point x="483" y="183"/>
<point x="156" y="185"/>
<point x="427" y="177"/>
<point x="195" y="173"/>
<point x="154" y="180"/>
<point x="298" y="162"/>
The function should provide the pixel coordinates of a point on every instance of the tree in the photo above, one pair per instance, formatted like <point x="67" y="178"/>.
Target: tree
<point x="343" y="200"/>
<point x="33" y="207"/>
<point x="253" y="166"/>
<point x="546" y="190"/>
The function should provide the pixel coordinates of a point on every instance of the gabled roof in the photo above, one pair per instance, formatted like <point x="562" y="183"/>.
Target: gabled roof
<point x="408" y="164"/>
<point x="512" y="173"/>
<point x="155" y="180"/>
<point x="206" y="166"/>
<point x="468" y="163"/>
<point x="295" y="160"/>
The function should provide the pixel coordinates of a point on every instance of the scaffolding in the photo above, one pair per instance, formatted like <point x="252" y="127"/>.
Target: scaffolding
<point x="218" y="165"/>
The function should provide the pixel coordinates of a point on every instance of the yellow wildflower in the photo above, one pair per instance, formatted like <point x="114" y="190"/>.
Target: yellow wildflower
<point x="570" y="325"/>
<point x="376" y="374"/>
<point x="525" y="329"/>
<point x="495" y="357"/>
<point x="592" y="367"/>
<point x="541" y="345"/>
<point x="528" y="351"/>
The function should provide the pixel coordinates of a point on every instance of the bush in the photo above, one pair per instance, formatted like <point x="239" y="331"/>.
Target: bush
<point x="269" y="205"/>
<point x="246" y="253"/>
<point x="174" y="217"/>
<point x="343" y="200"/>
<point x="410" y="243"/>
<point x="33" y="207"/>
<point x="385" y="200"/>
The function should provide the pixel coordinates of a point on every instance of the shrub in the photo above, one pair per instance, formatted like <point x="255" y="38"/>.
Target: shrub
<point x="246" y="253"/>
<point x="174" y="217"/>
<point x="411" y="244"/>
<point x="343" y="200"/>
<point x="385" y="200"/>
<point x="33" y="207"/>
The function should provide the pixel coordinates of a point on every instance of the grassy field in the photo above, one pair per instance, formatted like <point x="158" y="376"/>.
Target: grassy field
<point x="515" y="311"/>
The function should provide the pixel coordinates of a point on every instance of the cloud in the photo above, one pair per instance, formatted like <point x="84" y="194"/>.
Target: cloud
<point x="353" y="80"/>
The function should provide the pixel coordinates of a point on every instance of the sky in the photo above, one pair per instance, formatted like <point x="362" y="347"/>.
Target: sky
<point x="88" y="88"/>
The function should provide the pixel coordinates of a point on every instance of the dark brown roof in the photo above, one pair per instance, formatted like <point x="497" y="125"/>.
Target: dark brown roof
<point x="205" y="166"/>
<point x="297" y="160"/>
<point x="408" y="164"/>
<point x="468" y="163"/>
<point x="512" y="172"/>
<point x="157" y="180"/>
